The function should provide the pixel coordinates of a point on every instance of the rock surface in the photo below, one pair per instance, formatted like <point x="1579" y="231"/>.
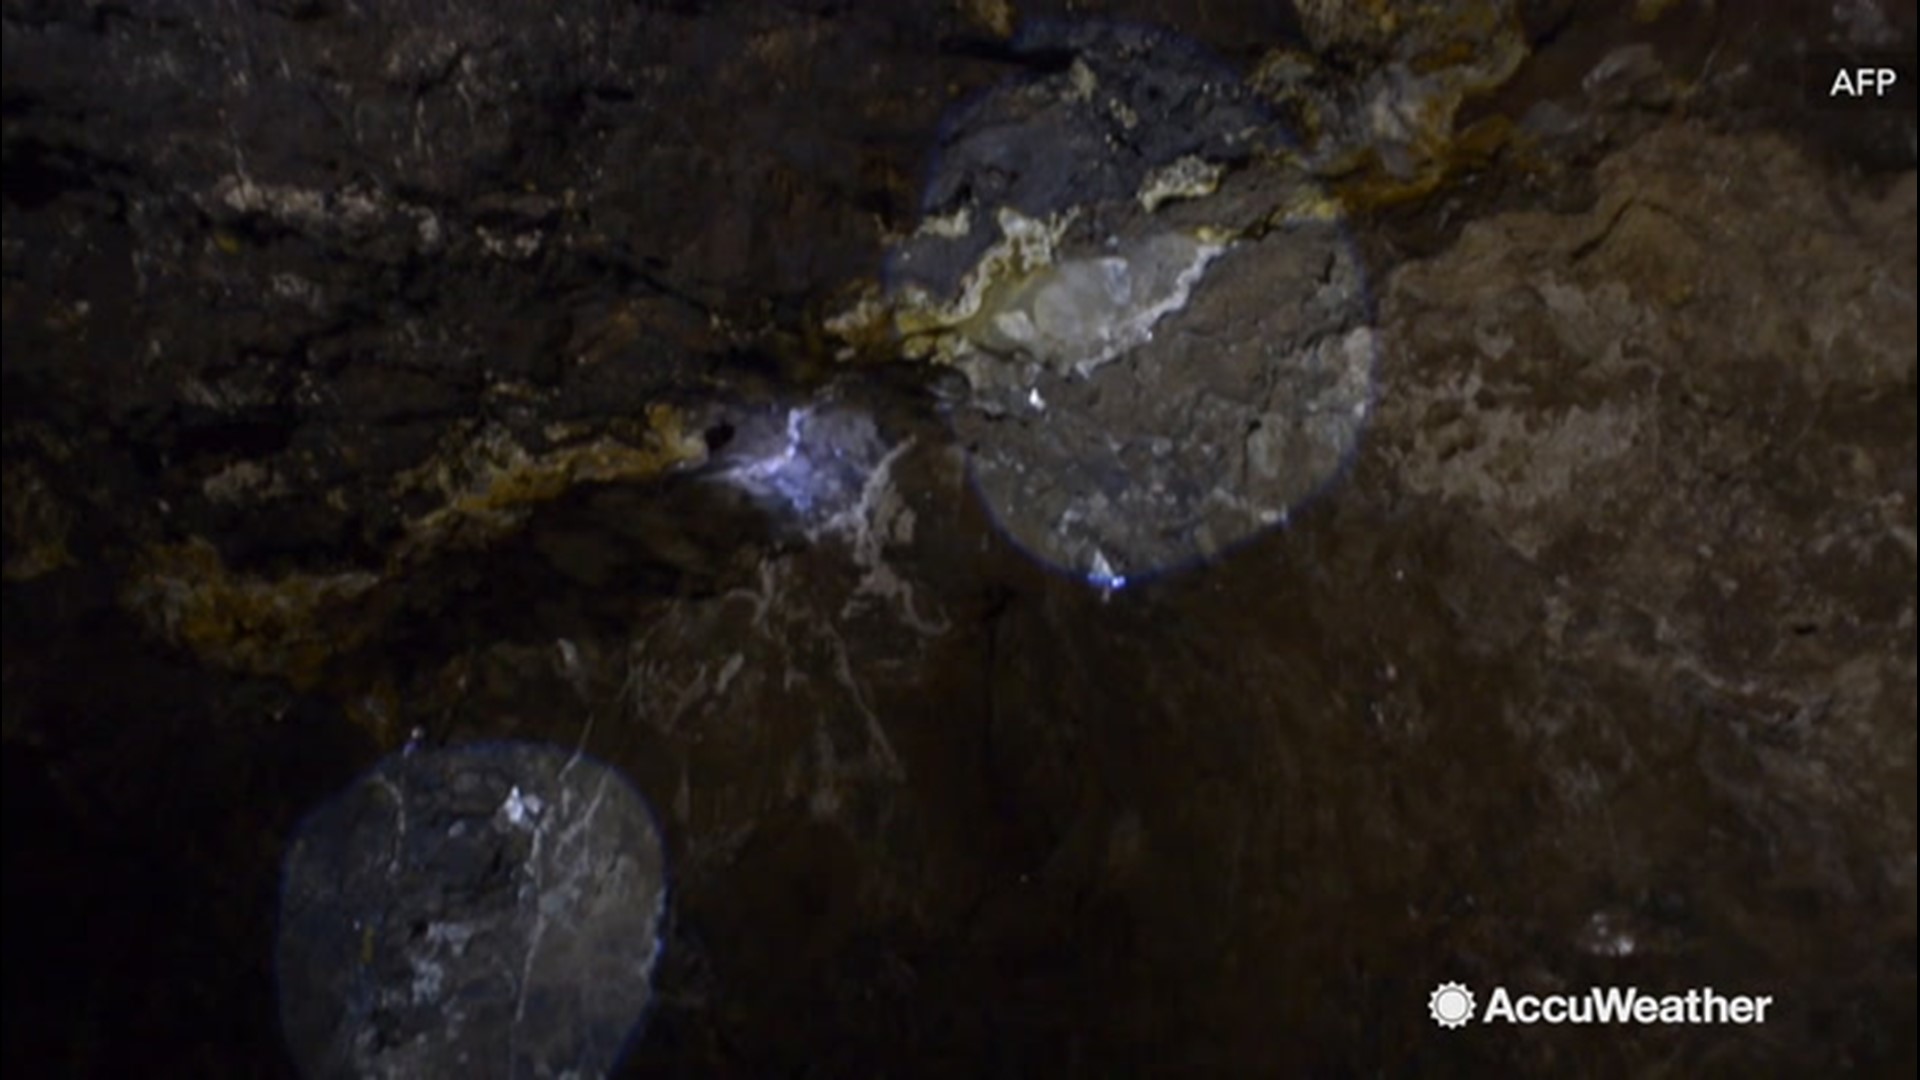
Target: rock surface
<point x="373" y="369"/>
<point x="489" y="910"/>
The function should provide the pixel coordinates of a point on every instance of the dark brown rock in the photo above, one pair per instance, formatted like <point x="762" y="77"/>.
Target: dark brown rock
<point x="381" y="368"/>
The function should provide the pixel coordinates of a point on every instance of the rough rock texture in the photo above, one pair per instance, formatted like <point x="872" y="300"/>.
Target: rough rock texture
<point x="373" y="368"/>
<point x="421" y="243"/>
<point x="1106" y="106"/>
<point x="489" y="910"/>
<point x="1674" y="437"/>
<point x="1155" y="307"/>
<point x="1231" y="412"/>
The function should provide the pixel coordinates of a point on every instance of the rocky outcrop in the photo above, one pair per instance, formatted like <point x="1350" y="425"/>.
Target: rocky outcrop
<point x="418" y="374"/>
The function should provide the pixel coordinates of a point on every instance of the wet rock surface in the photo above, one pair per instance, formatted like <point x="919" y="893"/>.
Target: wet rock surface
<point x="482" y="373"/>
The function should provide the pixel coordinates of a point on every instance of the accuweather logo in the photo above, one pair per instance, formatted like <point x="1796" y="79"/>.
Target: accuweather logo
<point x="1452" y="1005"/>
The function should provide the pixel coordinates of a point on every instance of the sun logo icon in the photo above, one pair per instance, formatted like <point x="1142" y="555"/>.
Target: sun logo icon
<point x="1451" y="1005"/>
